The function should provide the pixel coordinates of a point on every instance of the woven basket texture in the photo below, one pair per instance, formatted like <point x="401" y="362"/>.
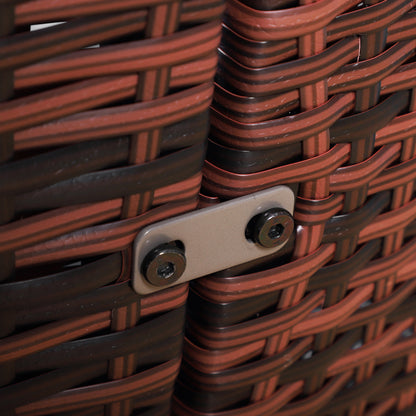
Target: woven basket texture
<point x="103" y="127"/>
<point x="320" y="96"/>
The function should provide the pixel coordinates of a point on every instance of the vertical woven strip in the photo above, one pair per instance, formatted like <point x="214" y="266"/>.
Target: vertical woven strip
<point x="144" y="147"/>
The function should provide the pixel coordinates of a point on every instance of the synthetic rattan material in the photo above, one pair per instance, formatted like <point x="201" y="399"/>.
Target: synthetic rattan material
<point x="320" y="95"/>
<point x="95" y="143"/>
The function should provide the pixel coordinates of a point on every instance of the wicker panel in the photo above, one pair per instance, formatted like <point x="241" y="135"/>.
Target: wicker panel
<point x="318" y="95"/>
<point x="103" y="123"/>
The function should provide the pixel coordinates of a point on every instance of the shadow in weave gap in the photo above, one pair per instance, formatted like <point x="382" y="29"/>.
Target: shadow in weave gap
<point x="163" y="409"/>
<point x="411" y="59"/>
<point x="409" y="411"/>
<point x="271" y="4"/>
<point x="91" y="411"/>
<point x="206" y="401"/>
<point x="129" y="37"/>
<point x="116" y="103"/>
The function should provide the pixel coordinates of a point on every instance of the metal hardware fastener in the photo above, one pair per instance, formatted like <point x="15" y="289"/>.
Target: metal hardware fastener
<point x="164" y="264"/>
<point x="212" y="239"/>
<point x="273" y="227"/>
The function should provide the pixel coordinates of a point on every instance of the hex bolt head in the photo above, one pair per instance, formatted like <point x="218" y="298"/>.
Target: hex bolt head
<point x="273" y="227"/>
<point x="164" y="265"/>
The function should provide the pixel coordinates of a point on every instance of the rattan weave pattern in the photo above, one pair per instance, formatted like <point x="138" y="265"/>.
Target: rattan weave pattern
<point x="320" y="95"/>
<point x="95" y="143"/>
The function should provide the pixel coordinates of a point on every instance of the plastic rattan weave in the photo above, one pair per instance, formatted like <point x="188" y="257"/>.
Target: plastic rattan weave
<point x="321" y="96"/>
<point x="103" y="124"/>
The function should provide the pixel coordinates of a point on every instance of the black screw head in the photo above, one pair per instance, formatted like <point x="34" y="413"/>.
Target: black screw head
<point x="164" y="264"/>
<point x="273" y="227"/>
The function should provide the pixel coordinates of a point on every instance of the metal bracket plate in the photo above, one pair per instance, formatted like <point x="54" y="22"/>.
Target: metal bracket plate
<point x="213" y="238"/>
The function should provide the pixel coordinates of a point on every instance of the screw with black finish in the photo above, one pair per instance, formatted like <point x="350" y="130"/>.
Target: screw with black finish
<point x="270" y="228"/>
<point x="164" y="264"/>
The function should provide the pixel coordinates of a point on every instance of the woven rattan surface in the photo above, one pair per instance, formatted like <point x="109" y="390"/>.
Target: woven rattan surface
<point x="103" y="124"/>
<point x="319" y="95"/>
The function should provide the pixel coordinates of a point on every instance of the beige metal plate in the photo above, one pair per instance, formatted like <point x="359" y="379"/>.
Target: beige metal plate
<point x="214" y="237"/>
